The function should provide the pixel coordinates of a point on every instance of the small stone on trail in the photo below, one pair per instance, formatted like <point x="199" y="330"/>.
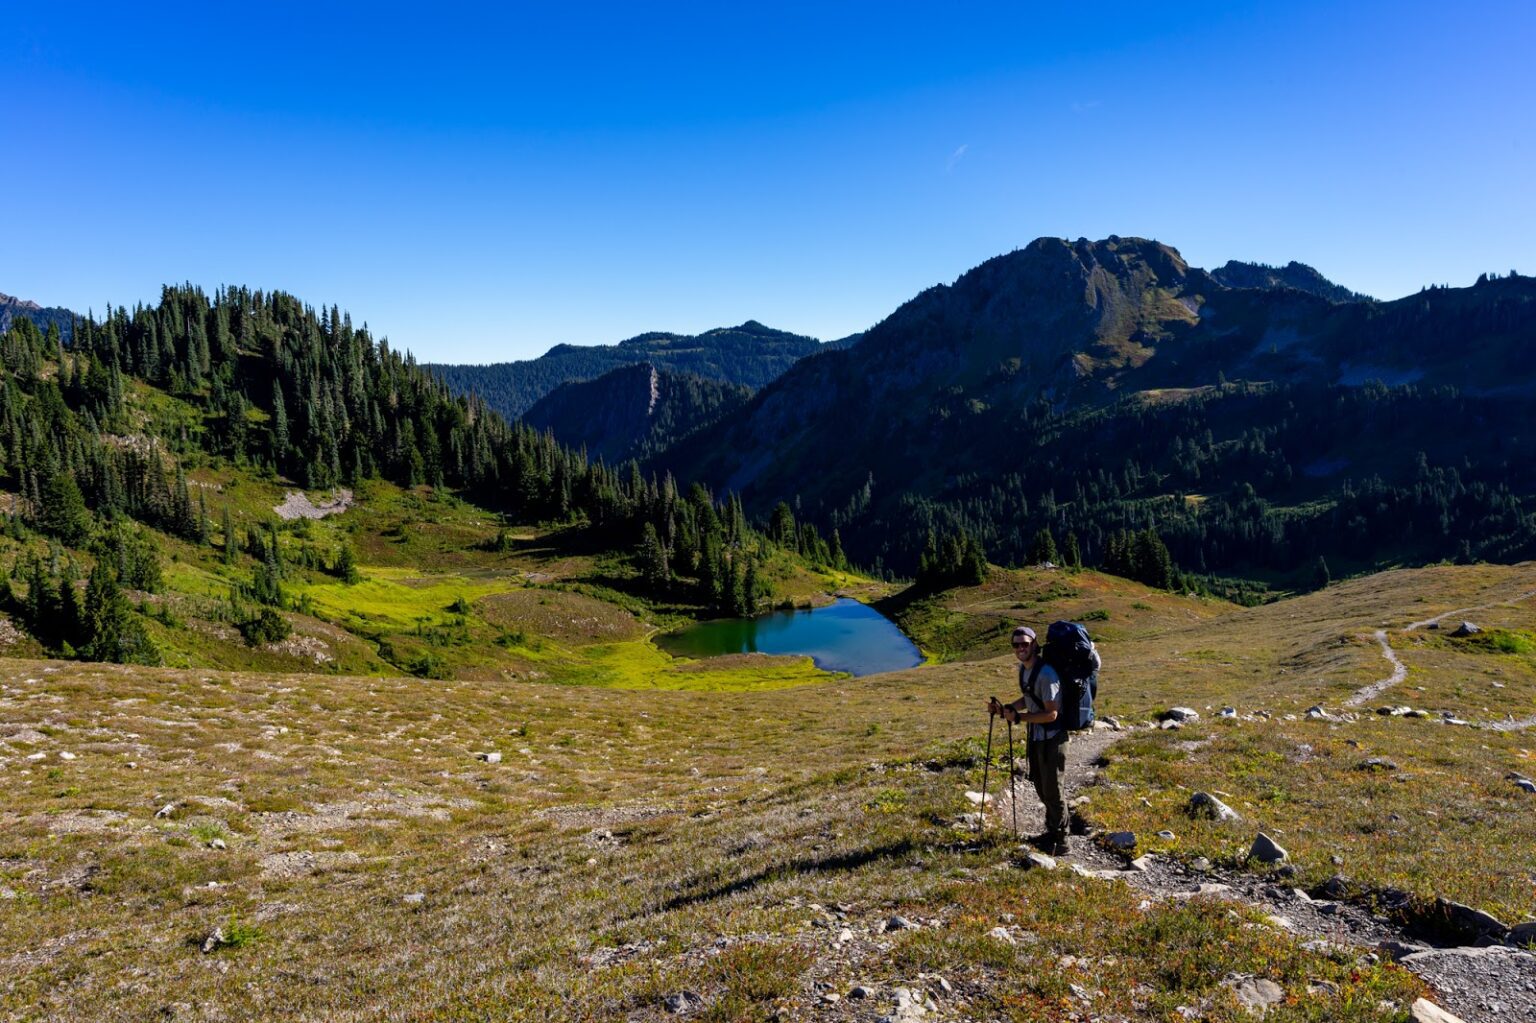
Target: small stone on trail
<point x="1203" y="804"/>
<point x="1200" y="864"/>
<point x="1266" y="850"/>
<point x="1038" y="860"/>
<point x="1425" y="1011"/>
<point x="1121" y="839"/>
<point x="1141" y="864"/>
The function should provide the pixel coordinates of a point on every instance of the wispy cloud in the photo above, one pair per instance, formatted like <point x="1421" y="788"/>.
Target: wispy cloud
<point x="956" y="157"/>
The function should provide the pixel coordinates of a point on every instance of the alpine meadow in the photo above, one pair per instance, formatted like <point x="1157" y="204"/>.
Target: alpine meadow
<point x="1133" y="628"/>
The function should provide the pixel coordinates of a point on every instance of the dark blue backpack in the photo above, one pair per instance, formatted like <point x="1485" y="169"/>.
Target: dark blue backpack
<point x="1070" y="653"/>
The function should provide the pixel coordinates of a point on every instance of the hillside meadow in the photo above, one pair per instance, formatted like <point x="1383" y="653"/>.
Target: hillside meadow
<point x="371" y="846"/>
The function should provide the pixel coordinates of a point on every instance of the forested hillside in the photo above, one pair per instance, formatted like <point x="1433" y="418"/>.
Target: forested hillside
<point x="1099" y="389"/>
<point x="146" y="458"/>
<point x="633" y="412"/>
<point x="11" y="308"/>
<point x="750" y="355"/>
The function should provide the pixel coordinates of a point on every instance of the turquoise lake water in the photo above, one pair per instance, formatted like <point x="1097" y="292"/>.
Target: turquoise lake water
<point x="843" y="636"/>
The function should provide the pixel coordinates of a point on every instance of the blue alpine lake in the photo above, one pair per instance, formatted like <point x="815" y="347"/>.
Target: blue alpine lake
<point x="842" y="636"/>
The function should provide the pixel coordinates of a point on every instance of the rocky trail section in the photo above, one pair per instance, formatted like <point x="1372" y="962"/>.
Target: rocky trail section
<point x="1485" y="983"/>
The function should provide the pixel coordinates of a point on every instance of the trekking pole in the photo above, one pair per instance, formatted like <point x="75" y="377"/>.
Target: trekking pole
<point x="981" y="821"/>
<point x="1013" y="797"/>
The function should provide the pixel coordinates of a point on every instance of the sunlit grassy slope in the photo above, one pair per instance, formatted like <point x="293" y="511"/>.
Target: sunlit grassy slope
<point x="632" y="843"/>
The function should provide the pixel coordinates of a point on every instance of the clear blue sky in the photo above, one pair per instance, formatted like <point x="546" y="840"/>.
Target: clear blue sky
<point x="480" y="183"/>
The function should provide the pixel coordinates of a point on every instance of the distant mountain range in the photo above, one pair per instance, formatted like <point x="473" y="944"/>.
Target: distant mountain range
<point x="1096" y="386"/>
<point x="750" y="355"/>
<point x="44" y="317"/>
<point x="634" y="411"/>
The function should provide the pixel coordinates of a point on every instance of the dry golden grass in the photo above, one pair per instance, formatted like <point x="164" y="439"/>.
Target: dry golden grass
<point x="630" y="845"/>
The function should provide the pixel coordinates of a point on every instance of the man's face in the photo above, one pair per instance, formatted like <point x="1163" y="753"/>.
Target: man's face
<point x="1023" y="647"/>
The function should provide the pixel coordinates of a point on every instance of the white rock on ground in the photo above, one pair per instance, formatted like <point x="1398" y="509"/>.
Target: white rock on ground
<point x="1425" y="1011"/>
<point x="1266" y="849"/>
<point x="1181" y="714"/>
<point x="1255" y="993"/>
<point x="1203" y="804"/>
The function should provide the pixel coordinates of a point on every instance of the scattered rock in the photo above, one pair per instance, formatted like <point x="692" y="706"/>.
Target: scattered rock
<point x="1002" y="934"/>
<point x="1466" y="629"/>
<point x="1318" y="714"/>
<point x="1280" y="922"/>
<point x="1038" y="861"/>
<point x="1141" y="864"/>
<point x="1122" y="840"/>
<point x="901" y="923"/>
<point x="1203" y="804"/>
<point x="1266" y="850"/>
<point x="67" y="755"/>
<point x="1425" y="1011"/>
<point x="414" y="898"/>
<point x="1229" y="712"/>
<point x="1181" y="714"/>
<point x="1399" y="950"/>
<point x="682" y="1001"/>
<point x="1170" y="725"/>
<point x="831" y="998"/>
<point x="1167" y="836"/>
<point x="978" y="797"/>
<point x="214" y="940"/>
<point x="860" y="991"/>
<point x="1200" y="865"/>
<point x="1473" y="920"/>
<point x="844" y="936"/>
<point x="491" y="757"/>
<point x="1522" y="934"/>
<point x="217" y="843"/>
<point x="165" y="811"/>
<point x="1255" y="993"/>
<point x="1376" y="764"/>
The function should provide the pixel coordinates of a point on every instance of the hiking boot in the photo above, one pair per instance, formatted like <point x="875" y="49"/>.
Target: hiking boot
<point x="1042" y="841"/>
<point x="1056" y="845"/>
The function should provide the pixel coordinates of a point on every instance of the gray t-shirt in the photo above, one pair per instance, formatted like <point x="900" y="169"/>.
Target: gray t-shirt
<point x="1047" y="689"/>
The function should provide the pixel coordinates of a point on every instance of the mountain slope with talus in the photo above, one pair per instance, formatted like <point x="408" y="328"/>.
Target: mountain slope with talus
<point x="1086" y="361"/>
<point x="633" y="411"/>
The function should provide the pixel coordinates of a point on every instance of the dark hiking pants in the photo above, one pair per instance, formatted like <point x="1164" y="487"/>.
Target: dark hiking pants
<point x="1047" y="765"/>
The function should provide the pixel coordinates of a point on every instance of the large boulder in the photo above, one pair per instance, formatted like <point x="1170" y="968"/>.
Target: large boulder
<point x="1267" y="850"/>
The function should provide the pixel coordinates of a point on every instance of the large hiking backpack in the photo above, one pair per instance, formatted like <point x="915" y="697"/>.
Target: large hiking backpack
<point x="1070" y="652"/>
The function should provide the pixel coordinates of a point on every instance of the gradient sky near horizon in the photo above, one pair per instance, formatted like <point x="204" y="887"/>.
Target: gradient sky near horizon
<point x="481" y="183"/>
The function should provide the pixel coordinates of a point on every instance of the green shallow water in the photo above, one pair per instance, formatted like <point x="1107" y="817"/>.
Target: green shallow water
<point x="843" y="636"/>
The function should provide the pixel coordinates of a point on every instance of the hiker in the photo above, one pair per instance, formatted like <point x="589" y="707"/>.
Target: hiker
<point x="1046" y="739"/>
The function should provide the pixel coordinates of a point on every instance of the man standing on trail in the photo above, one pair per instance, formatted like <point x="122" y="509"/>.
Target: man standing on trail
<point x="1046" y="743"/>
